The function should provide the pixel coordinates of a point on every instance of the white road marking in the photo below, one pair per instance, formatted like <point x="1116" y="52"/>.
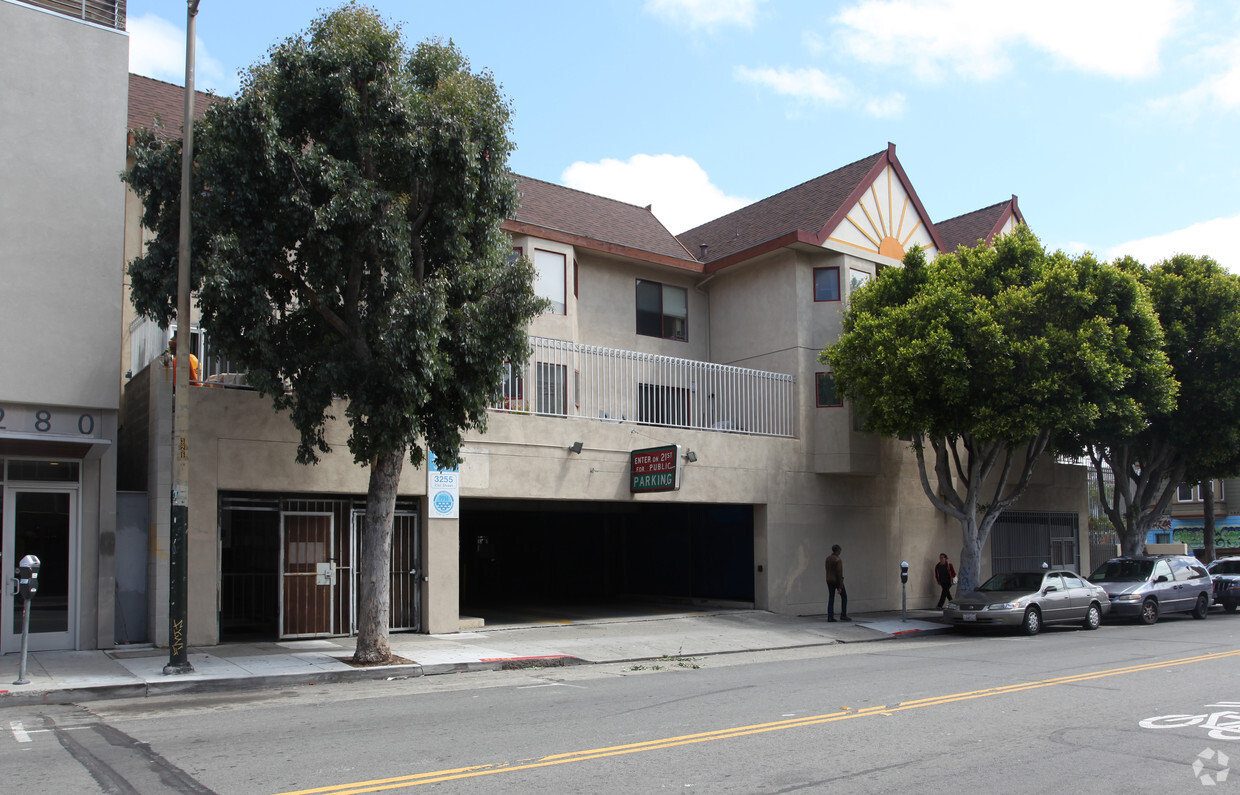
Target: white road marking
<point x="19" y="733"/>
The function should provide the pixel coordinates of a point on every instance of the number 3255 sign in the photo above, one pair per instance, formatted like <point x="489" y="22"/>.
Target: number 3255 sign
<point x="52" y="421"/>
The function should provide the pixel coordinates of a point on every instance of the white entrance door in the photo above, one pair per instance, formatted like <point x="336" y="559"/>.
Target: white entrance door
<point x="42" y="522"/>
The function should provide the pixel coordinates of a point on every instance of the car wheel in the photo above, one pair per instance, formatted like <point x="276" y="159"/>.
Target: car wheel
<point x="1230" y="606"/>
<point x="1032" y="624"/>
<point x="1202" y="608"/>
<point x="1093" y="616"/>
<point x="1149" y="612"/>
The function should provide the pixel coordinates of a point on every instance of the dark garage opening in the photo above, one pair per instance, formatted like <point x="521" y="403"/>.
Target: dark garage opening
<point x="565" y="560"/>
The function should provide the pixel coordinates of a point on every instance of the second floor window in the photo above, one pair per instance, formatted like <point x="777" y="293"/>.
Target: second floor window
<point x="549" y="267"/>
<point x="824" y="388"/>
<point x="662" y="310"/>
<point x="826" y="284"/>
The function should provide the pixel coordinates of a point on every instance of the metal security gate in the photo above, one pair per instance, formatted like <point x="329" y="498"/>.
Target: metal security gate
<point x="406" y="600"/>
<point x="308" y="566"/>
<point x="1024" y="540"/>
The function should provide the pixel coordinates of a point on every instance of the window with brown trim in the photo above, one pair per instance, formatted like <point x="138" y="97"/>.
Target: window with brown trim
<point x="827" y="284"/>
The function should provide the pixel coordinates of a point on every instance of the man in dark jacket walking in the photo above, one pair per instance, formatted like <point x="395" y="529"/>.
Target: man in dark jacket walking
<point x="944" y="575"/>
<point x="835" y="582"/>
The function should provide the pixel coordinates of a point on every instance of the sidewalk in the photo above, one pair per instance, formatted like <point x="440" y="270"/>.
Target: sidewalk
<point x="76" y="676"/>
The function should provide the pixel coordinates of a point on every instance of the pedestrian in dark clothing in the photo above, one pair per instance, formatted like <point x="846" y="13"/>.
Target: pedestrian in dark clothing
<point x="945" y="576"/>
<point x="835" y="582"/>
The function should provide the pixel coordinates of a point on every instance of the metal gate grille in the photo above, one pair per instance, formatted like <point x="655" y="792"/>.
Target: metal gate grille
<point x="1024" y="540"/>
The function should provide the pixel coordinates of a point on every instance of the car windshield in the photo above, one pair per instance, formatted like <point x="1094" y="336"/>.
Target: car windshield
<point x="1026" y="582"/>
<point x="1123" y="571"/>
<point x="1225" y="567"/>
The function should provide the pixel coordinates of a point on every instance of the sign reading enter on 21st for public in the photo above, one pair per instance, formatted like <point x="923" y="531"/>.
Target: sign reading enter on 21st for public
<point x="655" y="469"/>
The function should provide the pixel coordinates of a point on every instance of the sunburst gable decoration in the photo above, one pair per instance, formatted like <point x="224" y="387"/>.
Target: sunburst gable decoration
<point x="885" y="220"/>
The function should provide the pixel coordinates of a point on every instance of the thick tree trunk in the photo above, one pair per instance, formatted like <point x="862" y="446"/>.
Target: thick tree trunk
<point x="970" y="571"/>
<point x="1207" y="506"/>
<point x="375" y="566"/>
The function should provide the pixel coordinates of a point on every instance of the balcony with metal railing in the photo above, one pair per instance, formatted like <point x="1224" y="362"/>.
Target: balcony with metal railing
<point x="568" y="379"/>
<point x="108" y="13"/>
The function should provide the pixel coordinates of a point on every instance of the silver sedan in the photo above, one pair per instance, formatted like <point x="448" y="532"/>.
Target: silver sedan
<point x="1030" y="600"/>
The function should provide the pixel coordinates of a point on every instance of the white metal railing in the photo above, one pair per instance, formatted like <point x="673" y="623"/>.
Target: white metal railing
<point x="109" y="13"/>
<point x="567" y="379"/>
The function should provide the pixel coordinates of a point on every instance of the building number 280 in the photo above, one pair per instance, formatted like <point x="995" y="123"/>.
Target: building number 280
<point x="42" y="421"/>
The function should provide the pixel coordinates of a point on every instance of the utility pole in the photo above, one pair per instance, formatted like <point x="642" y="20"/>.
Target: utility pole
<point x="178" y="541"/>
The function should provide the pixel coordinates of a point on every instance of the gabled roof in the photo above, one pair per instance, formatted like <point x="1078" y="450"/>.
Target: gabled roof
<point x="583" y="219"/>
<point x="150" y="98"/>
<point x="984" y="225"/>
<point x="807" y="213"/>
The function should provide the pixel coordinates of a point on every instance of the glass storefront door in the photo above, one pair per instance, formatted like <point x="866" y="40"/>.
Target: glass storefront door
<point x="42" y="522"/>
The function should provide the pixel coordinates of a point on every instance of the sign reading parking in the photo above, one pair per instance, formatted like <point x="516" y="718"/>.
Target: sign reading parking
<point x="443" y="489"/>
<point x="655" y="469"/>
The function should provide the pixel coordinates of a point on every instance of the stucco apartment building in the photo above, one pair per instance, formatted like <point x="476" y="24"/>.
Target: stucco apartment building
<point x="61" y="215"/>
<point x="700" y="349"/>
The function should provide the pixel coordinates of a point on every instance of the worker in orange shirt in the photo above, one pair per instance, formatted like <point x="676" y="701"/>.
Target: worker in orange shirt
<point x="193" y="362"/>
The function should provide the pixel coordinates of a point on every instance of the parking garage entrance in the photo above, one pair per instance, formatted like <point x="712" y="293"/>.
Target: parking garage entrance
<point x="525" y="561"/>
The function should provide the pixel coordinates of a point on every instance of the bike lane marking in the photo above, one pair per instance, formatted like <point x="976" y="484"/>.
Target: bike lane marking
<point x="473" y="771"/>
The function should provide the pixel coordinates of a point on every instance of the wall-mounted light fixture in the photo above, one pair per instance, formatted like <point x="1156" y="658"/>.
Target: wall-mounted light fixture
<point x="575" y="447"/>
<point x="690" y="456"/>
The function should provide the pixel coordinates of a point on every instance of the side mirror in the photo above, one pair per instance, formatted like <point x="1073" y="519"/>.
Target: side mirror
<point x="1160" y="578"/>
<point x="1050" y="589"/>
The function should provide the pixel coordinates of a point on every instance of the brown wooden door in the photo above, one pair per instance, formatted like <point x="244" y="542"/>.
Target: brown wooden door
<point x="309" y="575"/>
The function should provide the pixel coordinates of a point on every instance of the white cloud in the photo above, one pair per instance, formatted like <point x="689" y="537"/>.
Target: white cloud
<point x="678" y="188"/>
<point x="1220" y="91"/>
<point x="707" y="14"/>
<point x="1218" y="239"/>
<point x="157" y="49"/>
<point x="974" y="38"/>
<point x="888" y="107"/>
<point x="813" y="85"/>
<point x="816" y="87"/>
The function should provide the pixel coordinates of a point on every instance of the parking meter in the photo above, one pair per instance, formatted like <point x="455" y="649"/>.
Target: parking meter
<point x="28" y="577"/>
<point x="27" y="585"/>
<point x="904" y="590"/>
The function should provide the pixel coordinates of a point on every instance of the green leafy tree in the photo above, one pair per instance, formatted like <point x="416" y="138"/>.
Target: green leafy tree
<point x="347" y="246"/>
<point x="984" y="356"/>
<point x="1198" y="306"/>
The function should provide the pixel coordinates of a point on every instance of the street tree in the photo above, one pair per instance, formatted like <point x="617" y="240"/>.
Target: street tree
<point x="985" y="356"/>
<point x="348" y="252"/>
<point x="1198" y="306"/>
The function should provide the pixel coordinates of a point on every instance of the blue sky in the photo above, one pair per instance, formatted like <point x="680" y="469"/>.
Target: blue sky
<point x="1113" y="121"/>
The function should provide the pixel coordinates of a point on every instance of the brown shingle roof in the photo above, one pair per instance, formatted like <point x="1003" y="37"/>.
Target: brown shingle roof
<point x="806" y="207"/>
<point x="581" y="218"/>
<point x="983" y="224"/>
<point x="150" y="98"/>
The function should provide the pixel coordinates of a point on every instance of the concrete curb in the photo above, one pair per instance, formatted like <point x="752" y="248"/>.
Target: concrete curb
<point x="57" y="694"/>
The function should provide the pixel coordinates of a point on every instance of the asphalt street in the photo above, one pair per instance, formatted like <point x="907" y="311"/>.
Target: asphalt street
<point x="1124" y="708"/>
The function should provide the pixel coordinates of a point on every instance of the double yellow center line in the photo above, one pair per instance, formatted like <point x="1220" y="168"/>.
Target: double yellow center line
<point x="454" y="774"/>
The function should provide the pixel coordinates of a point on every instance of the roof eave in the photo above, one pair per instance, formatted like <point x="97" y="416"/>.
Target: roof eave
<point x="775" y="243"/>
<point x="513" y="226"/>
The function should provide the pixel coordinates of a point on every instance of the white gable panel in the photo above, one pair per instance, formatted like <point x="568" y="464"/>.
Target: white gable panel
<point x="884" y="221"/>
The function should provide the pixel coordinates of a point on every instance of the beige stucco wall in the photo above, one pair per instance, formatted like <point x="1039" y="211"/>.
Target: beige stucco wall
<point x="239" y="443"/>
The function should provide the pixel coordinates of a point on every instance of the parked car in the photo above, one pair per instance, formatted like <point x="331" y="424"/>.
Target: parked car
<point x="1030" y="600"/>
<point x="1147" y="586"/>
<point x="1225" y="572"/>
